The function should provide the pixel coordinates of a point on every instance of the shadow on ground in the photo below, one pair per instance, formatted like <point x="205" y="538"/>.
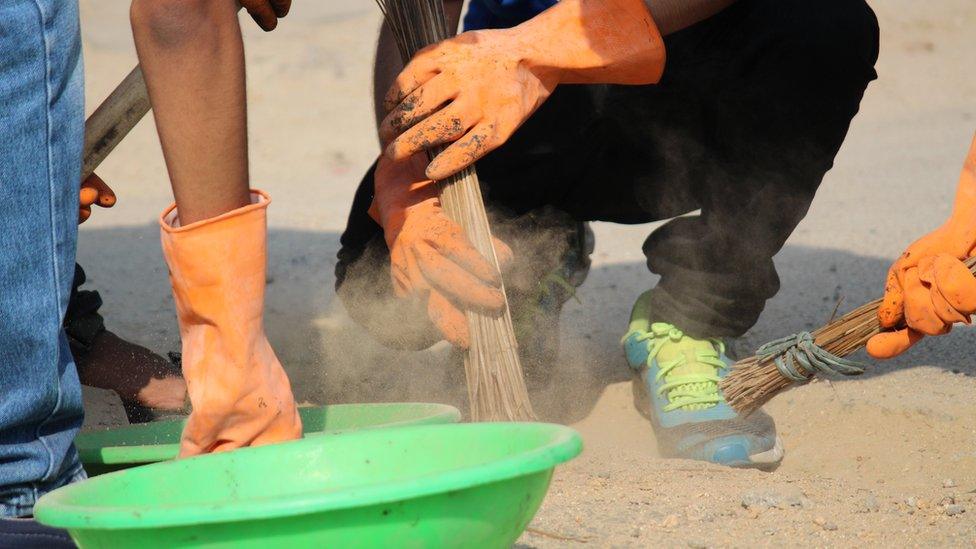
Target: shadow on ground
<point x="330" y="359"/>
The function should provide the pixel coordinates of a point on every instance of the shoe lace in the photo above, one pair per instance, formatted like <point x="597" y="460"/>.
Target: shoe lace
<point x="694" y="390"/>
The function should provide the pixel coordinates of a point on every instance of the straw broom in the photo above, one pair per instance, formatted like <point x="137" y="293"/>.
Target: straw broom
<point x="496" y="387"/>
<point x="757" y="379"/>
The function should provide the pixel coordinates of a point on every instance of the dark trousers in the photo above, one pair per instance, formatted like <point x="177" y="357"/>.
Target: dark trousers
<point x="82" y="322"/>
<point x="753" y="106"/>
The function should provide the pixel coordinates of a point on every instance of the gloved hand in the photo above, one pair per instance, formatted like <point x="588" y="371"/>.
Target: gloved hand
<point x="93" y="191"/>
<point x="266" y="12"/>
<point x="429" y="256"/>
<point x="239" y="391"/>
<point x="476" y="89"/>
<point x="928" y="288"/>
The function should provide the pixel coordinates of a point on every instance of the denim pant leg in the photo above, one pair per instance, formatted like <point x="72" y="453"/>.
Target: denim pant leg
<point x="41" y="133"/>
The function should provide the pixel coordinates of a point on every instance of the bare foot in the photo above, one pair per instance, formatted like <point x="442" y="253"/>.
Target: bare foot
<point x="138" y="375"/>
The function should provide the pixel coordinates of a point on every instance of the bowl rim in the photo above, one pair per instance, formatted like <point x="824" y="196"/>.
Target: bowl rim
<point x="564" y="443"/>
<point x="137" y="454"/>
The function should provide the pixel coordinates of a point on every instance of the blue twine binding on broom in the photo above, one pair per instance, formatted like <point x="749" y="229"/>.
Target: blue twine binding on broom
<point x="800" y="349"/>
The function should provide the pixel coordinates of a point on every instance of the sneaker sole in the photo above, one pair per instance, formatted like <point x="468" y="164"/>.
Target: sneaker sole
<point x="766" y="460"/>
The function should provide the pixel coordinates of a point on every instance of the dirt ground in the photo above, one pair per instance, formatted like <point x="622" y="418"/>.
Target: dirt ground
<point x="885" y="460"/>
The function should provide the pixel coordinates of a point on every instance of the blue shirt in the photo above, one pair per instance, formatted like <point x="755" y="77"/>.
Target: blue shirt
<point x="501" y="14"/>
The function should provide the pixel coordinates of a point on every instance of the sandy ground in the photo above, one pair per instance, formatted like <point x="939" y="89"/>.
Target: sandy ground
<point x="888" y="459"/>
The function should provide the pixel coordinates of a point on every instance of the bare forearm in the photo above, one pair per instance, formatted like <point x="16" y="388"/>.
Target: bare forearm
<point x="674" y="15"/>
<point x="192" y="56"/>
<point x="388" y="63"/>
<point x="670" y="16"/>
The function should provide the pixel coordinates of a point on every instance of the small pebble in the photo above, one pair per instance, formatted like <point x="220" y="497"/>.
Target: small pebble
<point x="670" y="521"/>
<point x="822" y="522"/>
<point x="954" y="509"/>
<point x="948" y="483"/>
<point x="870" y="504"/>
<point x="788" y="499"/>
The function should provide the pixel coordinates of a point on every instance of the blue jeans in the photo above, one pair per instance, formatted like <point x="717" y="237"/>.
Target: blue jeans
<point x="41" y="133"/>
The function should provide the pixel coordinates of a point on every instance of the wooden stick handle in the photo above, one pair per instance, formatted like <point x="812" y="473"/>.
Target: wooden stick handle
<point x="496" y="384"/>
<point x="113" y="119"/>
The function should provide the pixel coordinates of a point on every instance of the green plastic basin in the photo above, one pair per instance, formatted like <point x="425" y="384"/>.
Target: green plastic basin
<point x="113" y="449"/>
<point x="463" y="485"/>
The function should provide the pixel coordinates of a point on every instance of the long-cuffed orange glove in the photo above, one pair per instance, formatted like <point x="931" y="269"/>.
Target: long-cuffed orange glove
<point x="429" y="256"/>
<point x="928" y="288"/>
<point x="239" y="391"/>
<point x="476" y="89"/>
<point x="93" y="191"/>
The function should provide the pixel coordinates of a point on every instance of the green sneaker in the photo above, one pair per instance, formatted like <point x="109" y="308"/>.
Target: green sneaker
<point x="678" y="391"/>
<point x="537" y="305"/>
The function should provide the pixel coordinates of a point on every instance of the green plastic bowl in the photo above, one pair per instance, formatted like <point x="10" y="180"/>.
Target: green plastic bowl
<point x="114" y="449"/>
<point x="464" y="485"/>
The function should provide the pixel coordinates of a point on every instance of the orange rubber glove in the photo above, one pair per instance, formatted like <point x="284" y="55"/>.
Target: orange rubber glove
<point x="239" y="391"/>
<point x="476" y="89"/>
<point x="928" y="288"/>
<point x="429" y="256"/>
<point x="93" y="191"/>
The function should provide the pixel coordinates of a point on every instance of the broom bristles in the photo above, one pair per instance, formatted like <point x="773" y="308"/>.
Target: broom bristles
<point x="496" y="387"/>
<point x="754" y="381"/>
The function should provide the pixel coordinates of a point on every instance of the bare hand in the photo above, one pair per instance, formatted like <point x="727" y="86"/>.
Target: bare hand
<point x="94" y="191"/>
<point x="266" y="12"/>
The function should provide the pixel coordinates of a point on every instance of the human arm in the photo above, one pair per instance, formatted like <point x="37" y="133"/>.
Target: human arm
<point x="430" y="259"/>
<point x="214" y="237"/>
<point x="93" y="192"/>
<point x="192" y="56"/>
<point x="928" y="289"/>
<point x="473" y="91"/>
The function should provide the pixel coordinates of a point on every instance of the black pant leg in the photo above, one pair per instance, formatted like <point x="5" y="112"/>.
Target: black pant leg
<point x="775" y="84"/>
<point x="82" y="321"/>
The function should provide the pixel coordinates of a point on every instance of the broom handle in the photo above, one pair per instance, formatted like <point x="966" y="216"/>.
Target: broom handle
<point x="496" y="385"/>
<point x="463" y="202"/>
<point x="113" y="120"/>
